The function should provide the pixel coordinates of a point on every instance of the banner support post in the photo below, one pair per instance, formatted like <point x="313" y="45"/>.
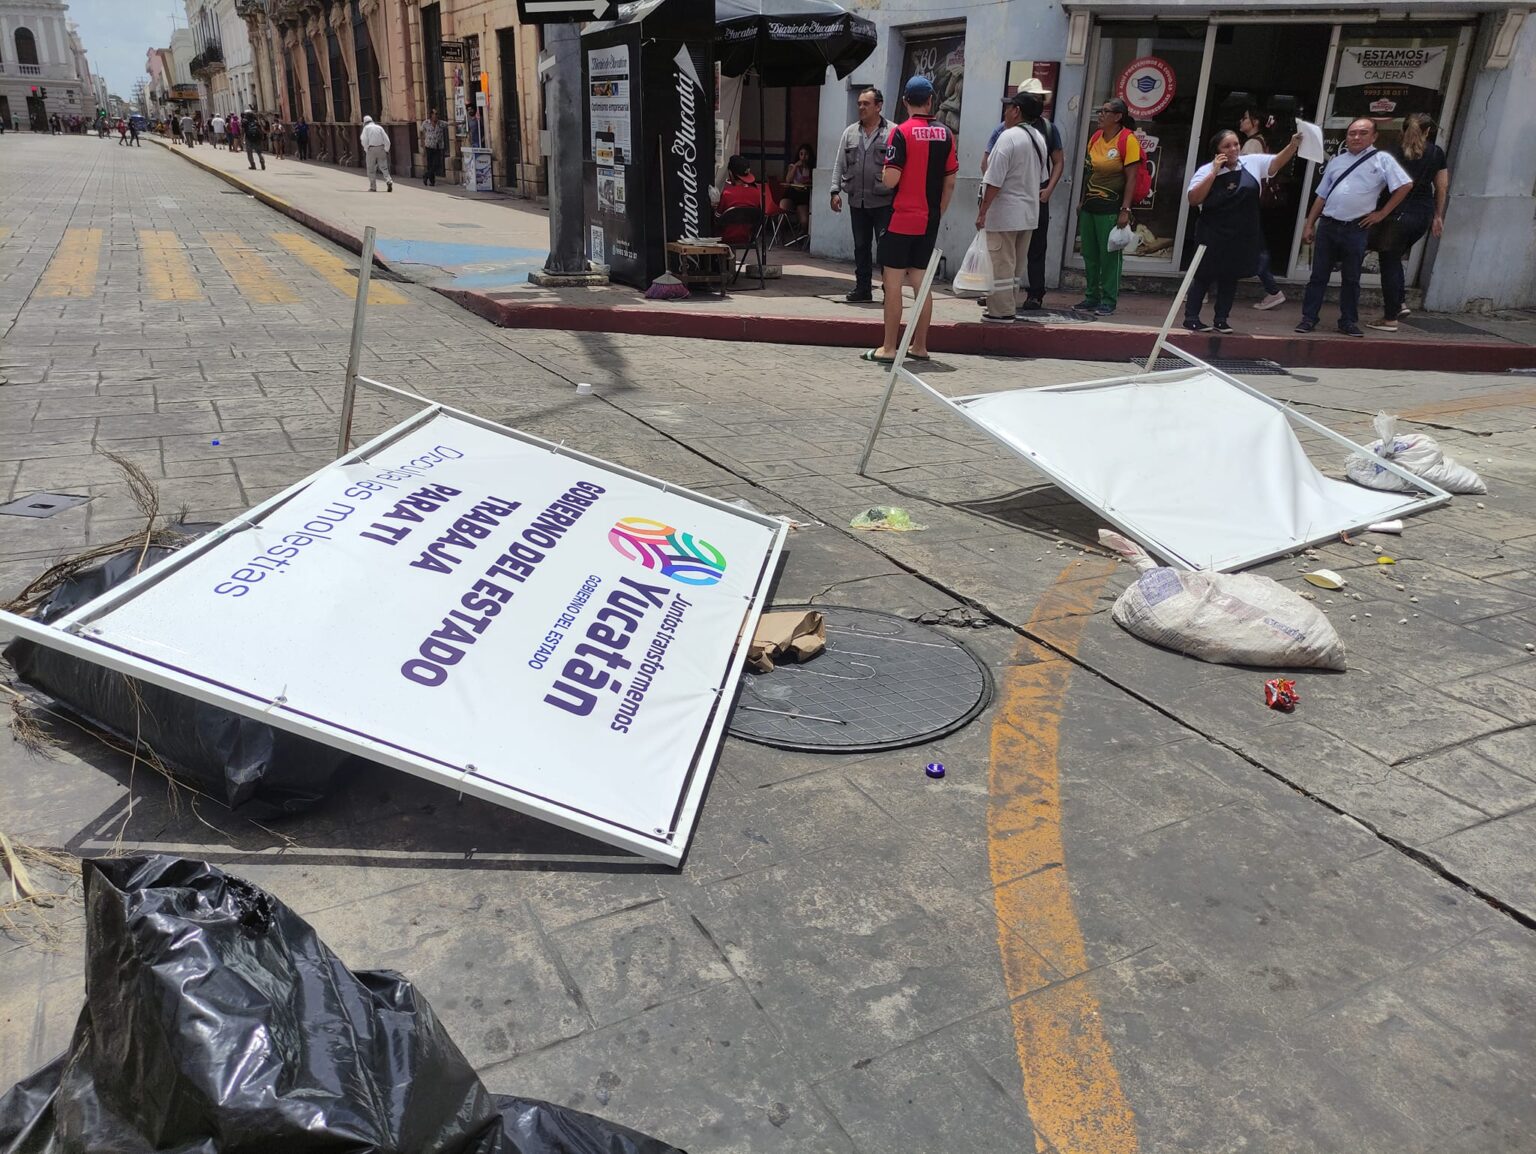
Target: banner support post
<point x="1178" y="302"/>
<point x="359" y="314"/>
<point x="924" y="290"/>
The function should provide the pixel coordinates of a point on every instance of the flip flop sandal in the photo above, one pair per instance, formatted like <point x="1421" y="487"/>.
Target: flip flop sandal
<point x="869" y="355"/>
<point x="917" y="357"/>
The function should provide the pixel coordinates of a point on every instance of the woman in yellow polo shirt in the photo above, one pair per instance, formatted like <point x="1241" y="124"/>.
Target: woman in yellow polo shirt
<point x="1109" y="182"/>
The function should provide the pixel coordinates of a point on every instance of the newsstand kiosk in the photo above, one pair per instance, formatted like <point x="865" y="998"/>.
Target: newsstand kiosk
<point x="648" y="122"/>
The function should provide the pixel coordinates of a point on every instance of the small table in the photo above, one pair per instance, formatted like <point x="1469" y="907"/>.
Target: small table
<point x="700" y="262"/>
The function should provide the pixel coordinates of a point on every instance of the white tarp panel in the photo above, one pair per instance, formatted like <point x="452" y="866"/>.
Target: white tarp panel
<point x="530" y="626"/>
<point x="1199" y="470"/>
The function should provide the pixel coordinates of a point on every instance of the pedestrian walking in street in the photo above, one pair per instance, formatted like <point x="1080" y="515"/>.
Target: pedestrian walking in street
<point x="1110" y="169"/>
<point x="188" y="127"/>
<point x="434" y="138"/>
<point x="233" y="127"/>
<point x="856" y="173"/>
<point x="255" y="131"/>
<point x="920" y="165"/>
<point x="301" y="138"/>
<point x="277" y="137"/>
<point x="133" y="133"/>
<point x="1010" y="200"/>
<point x="1227" y="193"/>
<point x="1423" y="210"/>
<point x="55" y="126"/>
<point x="217" y="124"/>
<point x="122" y="132"/>
<point x="1251" y="123"/>
<point x="1342" y="212"/>
<point x="1034" y="299"/>
<point x="375" y="142"/>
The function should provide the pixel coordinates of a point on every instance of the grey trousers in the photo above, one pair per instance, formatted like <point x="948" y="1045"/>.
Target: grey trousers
<point x="378" y="165"/>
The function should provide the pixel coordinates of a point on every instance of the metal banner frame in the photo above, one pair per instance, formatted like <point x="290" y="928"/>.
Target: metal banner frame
<point x="1410" y="504"/>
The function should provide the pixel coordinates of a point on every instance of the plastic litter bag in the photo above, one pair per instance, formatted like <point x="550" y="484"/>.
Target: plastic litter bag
<point x="1227" y="618"/>
<point x="243" y="763"/>
<point x="217" y="1022"/>
<point x="1419" y="453"/>
<point x="1122" y="238"/>
<point x="975" y="276"/>
<point x="890" y="517"/>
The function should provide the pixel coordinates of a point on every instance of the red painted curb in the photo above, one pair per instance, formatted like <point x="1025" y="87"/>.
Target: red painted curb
<point x="1091" y="342"/>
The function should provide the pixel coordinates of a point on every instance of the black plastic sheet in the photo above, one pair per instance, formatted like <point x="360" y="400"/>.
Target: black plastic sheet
<point x="217" y="1022"/>
<point x="248" y="765"/>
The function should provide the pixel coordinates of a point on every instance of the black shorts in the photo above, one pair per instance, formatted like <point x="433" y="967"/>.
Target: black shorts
<point x="797" y="195"/>
<point x="898" y="250"/>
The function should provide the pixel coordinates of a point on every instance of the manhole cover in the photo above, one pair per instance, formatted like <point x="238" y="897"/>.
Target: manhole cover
<point x="883" y="682"/>
<point x="1238" y="367"/>
<point x="42" y="504"/>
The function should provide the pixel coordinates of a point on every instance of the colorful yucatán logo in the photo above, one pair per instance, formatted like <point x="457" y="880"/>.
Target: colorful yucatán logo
<point x="671" y="552"/>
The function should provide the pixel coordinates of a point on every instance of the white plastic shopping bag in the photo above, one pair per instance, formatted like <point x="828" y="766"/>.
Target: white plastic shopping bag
<point x="975" y="276"/>
<point x="1122" y="238"/>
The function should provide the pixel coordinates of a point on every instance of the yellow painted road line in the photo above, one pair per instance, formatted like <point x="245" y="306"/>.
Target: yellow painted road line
<point x="166" y="267"/>
<point x="72" y="271"/>
<point x="334" y="270"/>
<point x="1070" y="1082"/>
<point x="256" y="279"/>
<point x="5" y="233"/>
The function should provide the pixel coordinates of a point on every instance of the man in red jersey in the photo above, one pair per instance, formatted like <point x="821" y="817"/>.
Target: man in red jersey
<point x="920" y="164"/>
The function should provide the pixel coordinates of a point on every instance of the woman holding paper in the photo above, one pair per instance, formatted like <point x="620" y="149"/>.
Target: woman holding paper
<point x="1423" y="211"/>
<point x="1251" y="124"/>
<point x="1227" y="193"/>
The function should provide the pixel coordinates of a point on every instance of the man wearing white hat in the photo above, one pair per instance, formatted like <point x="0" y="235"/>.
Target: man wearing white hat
<point x="375" y="142"/>
<point x="1035" y="293"/>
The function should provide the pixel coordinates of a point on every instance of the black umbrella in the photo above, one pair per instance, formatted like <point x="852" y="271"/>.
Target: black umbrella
<point x="790" y="42"/>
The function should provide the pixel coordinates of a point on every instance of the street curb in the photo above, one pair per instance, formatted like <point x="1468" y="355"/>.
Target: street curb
<point x="1088" y="341"/>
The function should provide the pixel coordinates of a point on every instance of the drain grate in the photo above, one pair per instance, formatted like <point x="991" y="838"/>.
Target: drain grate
<point x="382" y="274"/>
<point x="42" y="504"/>
<point x="1237" y="366"/>
<point x="1443" y="325"/>
<point x="882" y="682"/>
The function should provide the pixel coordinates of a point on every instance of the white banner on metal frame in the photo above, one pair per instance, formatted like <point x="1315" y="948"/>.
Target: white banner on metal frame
<point x="1203" y="473"/>
<point x="559" y="634"/>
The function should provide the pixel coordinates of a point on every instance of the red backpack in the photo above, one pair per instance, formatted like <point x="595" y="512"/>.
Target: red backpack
<point x="1143" y="170"/>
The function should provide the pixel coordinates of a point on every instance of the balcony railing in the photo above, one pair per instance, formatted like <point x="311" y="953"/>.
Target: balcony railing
<point x="209" y="60"/>
<point x="31" y="69"/>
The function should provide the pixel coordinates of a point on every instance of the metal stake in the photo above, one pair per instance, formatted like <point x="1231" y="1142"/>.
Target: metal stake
<point x="923" y="291"/>
<point x="1178" y="303"/>
<point x="359" y="313"/>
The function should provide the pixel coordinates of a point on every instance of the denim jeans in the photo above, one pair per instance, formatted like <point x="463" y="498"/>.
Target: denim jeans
<point x="869" y="224"/>
<point x="1037" y="244"/>
<point x="1412" y="224"/>
<point x="1266" y="277"/>
<point x="1342" y="243"/>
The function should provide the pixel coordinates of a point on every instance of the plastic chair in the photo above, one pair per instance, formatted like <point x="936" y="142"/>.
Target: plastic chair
<point x="749" y="216"/>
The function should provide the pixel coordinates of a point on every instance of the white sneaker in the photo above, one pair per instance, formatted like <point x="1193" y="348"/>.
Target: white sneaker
<point x="1273" y="300"/>
<point x="1403" y="312"/>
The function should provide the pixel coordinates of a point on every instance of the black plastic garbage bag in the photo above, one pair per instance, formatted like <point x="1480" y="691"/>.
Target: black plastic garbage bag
<point x="246" y="764"/>
<point x="217" y="1022"/>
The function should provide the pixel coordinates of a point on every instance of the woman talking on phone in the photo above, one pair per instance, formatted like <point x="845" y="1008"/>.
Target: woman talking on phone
<point x="1227" y="193"/>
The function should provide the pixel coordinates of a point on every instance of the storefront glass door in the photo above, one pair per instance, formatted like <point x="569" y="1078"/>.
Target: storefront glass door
<point x="1157" y="70"/>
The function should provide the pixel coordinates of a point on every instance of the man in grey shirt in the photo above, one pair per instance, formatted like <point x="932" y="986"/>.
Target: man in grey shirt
<point x="856" y="172"/>
<point x="1010" y="202"/>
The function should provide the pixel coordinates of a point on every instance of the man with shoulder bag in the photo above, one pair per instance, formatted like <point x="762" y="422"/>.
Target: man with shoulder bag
<point x="1010" y="202"/>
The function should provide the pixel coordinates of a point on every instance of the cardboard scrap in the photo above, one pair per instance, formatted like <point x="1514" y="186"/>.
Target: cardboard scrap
<point x="793" y="635"/>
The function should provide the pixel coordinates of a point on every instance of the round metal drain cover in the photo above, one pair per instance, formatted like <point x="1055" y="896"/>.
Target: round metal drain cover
<point x="881" y="683"/>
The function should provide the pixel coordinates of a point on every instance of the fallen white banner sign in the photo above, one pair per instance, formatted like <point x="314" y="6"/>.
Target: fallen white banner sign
<point x="529" y="625"/>
<point x="1201" y="469"/>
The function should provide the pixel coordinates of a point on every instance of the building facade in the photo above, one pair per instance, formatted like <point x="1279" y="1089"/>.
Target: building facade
<point x="223" y="62"/>
<point x="43" y="67"/>
<point x="332" y="62"/>
<point x="1191" y="70"/>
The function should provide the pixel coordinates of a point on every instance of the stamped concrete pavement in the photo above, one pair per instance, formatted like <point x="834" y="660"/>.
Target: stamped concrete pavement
<point x="1141" y="912"/>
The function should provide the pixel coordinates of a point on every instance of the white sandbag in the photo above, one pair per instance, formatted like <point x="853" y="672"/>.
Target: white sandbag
<point x="1419" y="453"/>
<point x="974" y="278"/>
<point x="1228" y="618"/>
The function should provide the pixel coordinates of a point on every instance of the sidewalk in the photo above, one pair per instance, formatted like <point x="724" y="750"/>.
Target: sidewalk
<point x="478" y="249"/>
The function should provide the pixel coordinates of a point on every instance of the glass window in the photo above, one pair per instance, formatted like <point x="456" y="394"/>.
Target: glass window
<point x="316" y="83"/>
<point x="341" y="87"/>
<point x="368" y="97"/>
<point x="1155" y="69"/>
<point x="1386" y="76"/>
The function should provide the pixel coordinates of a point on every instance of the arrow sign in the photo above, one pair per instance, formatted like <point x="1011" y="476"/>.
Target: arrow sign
<point x="564" y="11"/>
